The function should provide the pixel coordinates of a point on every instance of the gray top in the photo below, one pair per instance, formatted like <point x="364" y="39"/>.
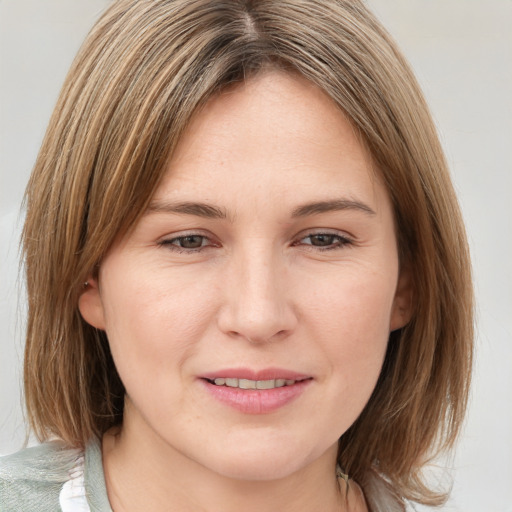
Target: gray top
<point x="31" y="480"/>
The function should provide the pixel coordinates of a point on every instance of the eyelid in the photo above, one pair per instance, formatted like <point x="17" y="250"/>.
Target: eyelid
<point x="343" y="239"/>
<point x="324" y="231"/>
<point x="167" y="240"/>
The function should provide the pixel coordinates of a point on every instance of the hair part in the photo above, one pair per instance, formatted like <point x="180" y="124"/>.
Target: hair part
<point x="146" y="67"/>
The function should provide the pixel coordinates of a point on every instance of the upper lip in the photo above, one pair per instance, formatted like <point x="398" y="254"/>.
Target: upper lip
<point x="250" y="374"/>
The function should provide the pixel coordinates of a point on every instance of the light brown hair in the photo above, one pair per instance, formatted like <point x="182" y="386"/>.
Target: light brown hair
<point x="145" y="68"/>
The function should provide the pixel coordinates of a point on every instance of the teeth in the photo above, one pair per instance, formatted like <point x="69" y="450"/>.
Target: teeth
<point x="253" y="384"/>
<point x="246" y="384"/>
<point x="266" y="384"/>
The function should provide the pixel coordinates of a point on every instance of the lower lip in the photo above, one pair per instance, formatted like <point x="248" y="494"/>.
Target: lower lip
<point x="251" y="401"/>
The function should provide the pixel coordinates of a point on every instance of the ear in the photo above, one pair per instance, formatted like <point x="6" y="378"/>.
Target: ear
<point x="402" y="309"/>
<point x="91" y="305"/>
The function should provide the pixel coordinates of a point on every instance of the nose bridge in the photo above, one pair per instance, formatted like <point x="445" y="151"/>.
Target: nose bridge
<point x="257" y="307"/>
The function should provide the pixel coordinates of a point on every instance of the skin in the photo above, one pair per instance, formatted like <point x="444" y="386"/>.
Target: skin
<point x="317" y="293"/>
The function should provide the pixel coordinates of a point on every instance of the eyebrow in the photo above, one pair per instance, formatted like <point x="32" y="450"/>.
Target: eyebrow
<point x="316" y="208"/>
<point x="209" y="211"/>
<point x="204" y="210"/>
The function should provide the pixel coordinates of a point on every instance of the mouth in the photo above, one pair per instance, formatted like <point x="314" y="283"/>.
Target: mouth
<point x="234" y="382"/>
<point x="256" y="392"/>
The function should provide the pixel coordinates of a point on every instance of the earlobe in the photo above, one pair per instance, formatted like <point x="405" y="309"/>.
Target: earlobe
<point x="90" y="304"/>
<point x="403" y="302"/>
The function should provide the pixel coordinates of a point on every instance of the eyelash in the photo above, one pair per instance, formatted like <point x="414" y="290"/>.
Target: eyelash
<point x="170" y="243"/>
<point x="338" y="242"/>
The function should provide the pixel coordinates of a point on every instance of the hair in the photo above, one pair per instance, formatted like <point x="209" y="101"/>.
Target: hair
<point x="146" y="67"/>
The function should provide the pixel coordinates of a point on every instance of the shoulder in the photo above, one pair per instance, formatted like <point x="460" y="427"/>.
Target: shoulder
<point x="31" y="479"/>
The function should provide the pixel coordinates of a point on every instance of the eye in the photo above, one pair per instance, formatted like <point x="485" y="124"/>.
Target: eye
<point x="187" y="243"/>
<point x="321" y="240"/>
<point x="190" y="241"/>
<point x="325" y="241"/>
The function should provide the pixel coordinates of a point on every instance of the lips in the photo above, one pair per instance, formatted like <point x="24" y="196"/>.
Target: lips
<point x="256" y="392"/>
<point x="256" y="375"/>
<point x="253" y="384"/>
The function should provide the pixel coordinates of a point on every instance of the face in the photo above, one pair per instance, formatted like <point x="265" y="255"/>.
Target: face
<point x="267" y="260"/>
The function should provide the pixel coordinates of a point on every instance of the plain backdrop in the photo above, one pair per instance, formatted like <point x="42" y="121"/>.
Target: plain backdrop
<point x="461" y="51"/>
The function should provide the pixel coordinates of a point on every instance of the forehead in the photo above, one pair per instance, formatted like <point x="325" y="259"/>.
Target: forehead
<point x="276" y="130"/>
<point x="270" y="111"/>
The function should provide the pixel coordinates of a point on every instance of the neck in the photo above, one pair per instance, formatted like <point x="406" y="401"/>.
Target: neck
<point x="143" y="472"/>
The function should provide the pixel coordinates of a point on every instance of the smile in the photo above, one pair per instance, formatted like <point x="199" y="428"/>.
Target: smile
<point x="256" y="392"/>
<point x="253" y="384"/>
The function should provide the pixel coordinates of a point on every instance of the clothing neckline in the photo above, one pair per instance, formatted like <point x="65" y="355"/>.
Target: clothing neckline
<point x="95" y="486"/>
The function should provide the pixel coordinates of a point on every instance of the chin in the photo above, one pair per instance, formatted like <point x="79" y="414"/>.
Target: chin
<point x="262" y="463"/>
<point x="258" y="470"/>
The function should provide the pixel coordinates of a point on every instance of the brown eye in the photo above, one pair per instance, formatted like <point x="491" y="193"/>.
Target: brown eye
<point x="190" y="242"/>
<point x="323" y="240"/>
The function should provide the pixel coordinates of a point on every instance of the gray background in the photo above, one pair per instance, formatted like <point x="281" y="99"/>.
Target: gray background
<point x="462" y="53"/>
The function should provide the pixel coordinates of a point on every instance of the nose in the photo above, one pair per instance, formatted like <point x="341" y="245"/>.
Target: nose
<point x="258" y="305"/>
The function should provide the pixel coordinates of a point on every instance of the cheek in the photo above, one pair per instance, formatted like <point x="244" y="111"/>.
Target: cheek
<point x="152" y="323"/>
<point x="349" y="315"/>
<point x="357" y="298"/>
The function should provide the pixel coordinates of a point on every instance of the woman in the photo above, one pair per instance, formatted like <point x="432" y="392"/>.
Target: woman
<point x="248" y="277"/>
